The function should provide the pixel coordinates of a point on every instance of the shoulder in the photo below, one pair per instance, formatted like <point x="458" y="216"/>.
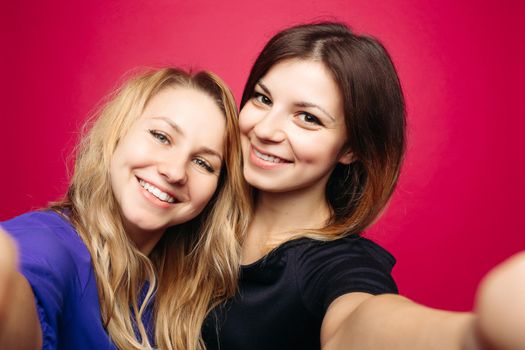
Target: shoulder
<point x="354" y="249"/>
<point x="326" y="270"/>
<point x="57" y="265"/>
<point x="47" y="241"/>
<point x="35" y="223"/>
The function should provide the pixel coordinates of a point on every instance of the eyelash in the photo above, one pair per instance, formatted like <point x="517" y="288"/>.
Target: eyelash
<point x="160" y="136"/>
<point x="164" y="139"/>
<point x="204" y="164"/>
<point x="262" y="98"/>
<point x="315" y="120"/>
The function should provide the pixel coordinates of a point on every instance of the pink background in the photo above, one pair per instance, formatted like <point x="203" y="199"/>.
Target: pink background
<point x="458" y="209"/>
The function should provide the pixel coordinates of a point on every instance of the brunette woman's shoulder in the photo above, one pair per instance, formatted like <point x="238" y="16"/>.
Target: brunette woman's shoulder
<point x="326" y="270"/>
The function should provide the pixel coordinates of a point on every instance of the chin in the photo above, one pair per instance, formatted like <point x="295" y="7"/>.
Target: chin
<point x="266" y="185"/>
<point x="143" y="222"/>
<point x="150" y="226"/>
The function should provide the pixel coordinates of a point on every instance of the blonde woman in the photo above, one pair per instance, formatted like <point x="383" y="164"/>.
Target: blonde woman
<point x="144" y="242"/>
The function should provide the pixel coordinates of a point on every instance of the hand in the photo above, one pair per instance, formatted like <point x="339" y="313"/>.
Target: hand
<point x="8" y="264"/>
<point x="500" y="305"/>
<point x="19" y="324"/>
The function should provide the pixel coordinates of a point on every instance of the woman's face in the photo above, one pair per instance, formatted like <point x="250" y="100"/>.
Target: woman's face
<point x="293" y="129"/>
<point x="165" y="169"/>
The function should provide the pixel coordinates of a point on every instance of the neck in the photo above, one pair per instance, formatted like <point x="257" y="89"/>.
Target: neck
<point x="144" y="241"/>
<point x="278" y="216"/>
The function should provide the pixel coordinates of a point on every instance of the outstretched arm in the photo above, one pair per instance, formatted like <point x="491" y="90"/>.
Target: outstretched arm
<point x="393" y="322"/>
<point x="362" y="321"/>
<point x="19" y="324"/>
<point x="500" y="305"/>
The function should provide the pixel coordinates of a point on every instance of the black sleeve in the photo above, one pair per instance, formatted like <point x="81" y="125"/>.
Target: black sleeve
<point x="327" y="270"/>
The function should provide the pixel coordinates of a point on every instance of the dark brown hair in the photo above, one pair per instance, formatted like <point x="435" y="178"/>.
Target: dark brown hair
<point x="374" y="112"/>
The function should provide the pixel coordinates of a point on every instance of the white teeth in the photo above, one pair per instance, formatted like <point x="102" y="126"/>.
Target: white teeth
<point x="163" y="196"/>
<point x="267" y="157"/>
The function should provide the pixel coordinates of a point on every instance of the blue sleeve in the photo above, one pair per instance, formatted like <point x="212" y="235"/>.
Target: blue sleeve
<point x="327" y="270"/>
<point x="47" y="263"/>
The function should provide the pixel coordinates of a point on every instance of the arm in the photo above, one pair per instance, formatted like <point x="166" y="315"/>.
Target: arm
<point x="500" y="304"/>
<point x="362" y="321"/>
<point x="390" y="321"/>
<point x="19" y="324"/>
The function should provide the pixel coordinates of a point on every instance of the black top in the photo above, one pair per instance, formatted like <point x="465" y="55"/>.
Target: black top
<point x="283" y="297"/>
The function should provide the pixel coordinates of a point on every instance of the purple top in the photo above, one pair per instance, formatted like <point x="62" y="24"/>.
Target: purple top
<point x="57" y="264"/>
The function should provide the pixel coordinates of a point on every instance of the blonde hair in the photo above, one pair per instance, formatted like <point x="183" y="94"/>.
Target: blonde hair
<point x="195" y="265"/>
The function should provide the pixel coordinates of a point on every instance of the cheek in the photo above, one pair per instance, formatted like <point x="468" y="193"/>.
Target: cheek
<point x="113" y="175"/>
<point x="245" y="145"/>
<point x="202" y="190"/>
<point x="245" y="127"/>
<point x="310" y="148"/>
<point x="247" y="119"/>
<point x="116" y="165"/>
<point x="136" y="152"/>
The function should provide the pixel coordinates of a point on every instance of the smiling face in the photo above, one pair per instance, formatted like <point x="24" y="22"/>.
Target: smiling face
<point x="293" y="129"/>
<point x="166" y="167"/>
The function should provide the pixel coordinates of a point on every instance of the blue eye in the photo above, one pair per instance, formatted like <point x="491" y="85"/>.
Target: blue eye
<point x="308" y="118"/>
<point x="261" y="98"/>
<point x="161" y="137"/>
<point x="204" y="164"/>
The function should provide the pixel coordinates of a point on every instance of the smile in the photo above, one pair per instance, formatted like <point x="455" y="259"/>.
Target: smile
<point x="268" y="158"/>
<point x="163" y="196"/>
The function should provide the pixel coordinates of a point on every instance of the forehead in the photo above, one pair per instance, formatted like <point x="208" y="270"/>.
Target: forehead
<point x="304" y="80"/>
<point x="194" y="112"/>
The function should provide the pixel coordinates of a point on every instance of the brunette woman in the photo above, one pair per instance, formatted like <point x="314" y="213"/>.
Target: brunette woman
<point x="323" y="136"/>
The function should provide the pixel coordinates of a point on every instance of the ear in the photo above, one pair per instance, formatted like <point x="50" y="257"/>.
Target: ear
<point x="347" y="157"/>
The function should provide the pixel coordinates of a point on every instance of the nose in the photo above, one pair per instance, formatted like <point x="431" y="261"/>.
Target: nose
<point x="270" y="127"/>
<point x="174" y="171"/>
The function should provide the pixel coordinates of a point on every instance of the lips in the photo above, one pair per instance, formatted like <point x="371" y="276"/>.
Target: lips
<point x="265" y="160"/>
<point x="162" y="195"/>
<point x="268" y="157"/>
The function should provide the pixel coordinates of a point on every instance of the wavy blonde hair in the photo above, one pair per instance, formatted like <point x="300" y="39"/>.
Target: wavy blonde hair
<point x="195" y="265"/>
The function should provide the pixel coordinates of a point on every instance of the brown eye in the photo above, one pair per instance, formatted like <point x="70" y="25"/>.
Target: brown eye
<point x="261" y="98"/>
<point x="308" y="118"/>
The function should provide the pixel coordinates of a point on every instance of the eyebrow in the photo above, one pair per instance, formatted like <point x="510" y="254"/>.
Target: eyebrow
<point x="302" y="104"/>
<point x="171" y="123"/>
<point x="205" y="150"/>
<point x="211" y="152"/>
<point x="265" y="89"/>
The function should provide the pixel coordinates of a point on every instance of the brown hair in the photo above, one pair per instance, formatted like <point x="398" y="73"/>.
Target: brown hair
<point x="374" y="112"/>
<point x="195" y="265"/>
